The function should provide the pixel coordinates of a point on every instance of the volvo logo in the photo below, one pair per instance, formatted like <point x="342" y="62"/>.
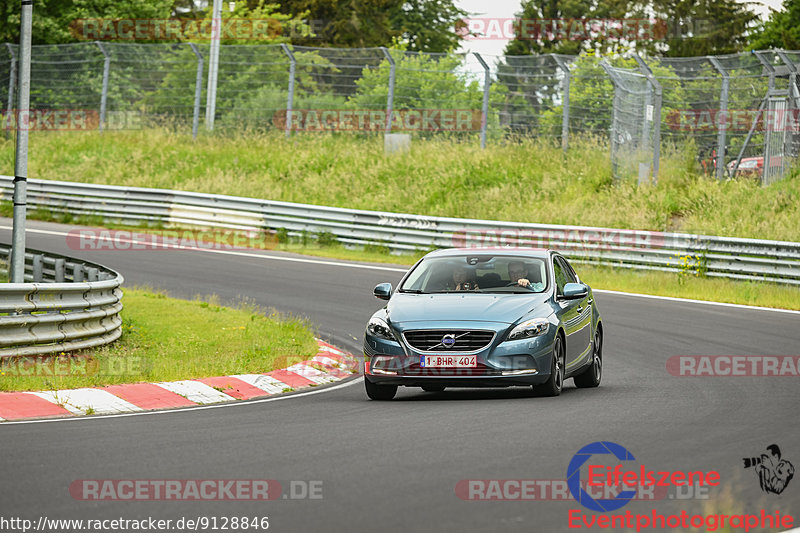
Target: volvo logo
<point x="449" y="340"/>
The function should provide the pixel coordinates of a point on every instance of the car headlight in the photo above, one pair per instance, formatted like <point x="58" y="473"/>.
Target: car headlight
<point x="378" y="327"/>
<point x="529" y="328"/>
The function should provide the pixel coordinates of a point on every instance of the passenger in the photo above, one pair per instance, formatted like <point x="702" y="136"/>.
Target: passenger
<point x="461" y="281"/>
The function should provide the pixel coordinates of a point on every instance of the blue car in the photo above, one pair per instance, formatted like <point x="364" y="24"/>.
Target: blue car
<point x="484" y="318"/>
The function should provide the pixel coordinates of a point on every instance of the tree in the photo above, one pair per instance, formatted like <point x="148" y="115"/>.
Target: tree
<point x="539" y="20"/>
<point x="429" y="25"/>
<point x="675" y="28"/>
<point x="715" y="26"/>
<point x="782" y="30"/>
<point x="52" y="18"/>
<point x="345" y="23"/>
<point x="421" y="25"/>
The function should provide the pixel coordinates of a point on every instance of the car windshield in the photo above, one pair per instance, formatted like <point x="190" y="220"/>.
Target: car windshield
<point x="478" y="273"/>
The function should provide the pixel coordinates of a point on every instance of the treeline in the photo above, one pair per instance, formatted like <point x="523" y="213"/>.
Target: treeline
<point x="683" y="27"/>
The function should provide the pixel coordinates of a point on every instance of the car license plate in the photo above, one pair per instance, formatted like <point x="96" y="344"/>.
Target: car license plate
<point x="448" y="361"/>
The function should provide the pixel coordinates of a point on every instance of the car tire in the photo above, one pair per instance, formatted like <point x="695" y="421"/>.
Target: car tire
<point x="433" y="388"/>
<point x="554" y="384"/>
<point x="379" y="392"/>
<point x="591" y="376"/>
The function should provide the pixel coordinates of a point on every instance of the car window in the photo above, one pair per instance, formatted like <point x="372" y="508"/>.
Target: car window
<point x="478" y="273"/>
<point x="570" y="270"/>
<point x="569" y="274"/>
<point x="561" y="278"/>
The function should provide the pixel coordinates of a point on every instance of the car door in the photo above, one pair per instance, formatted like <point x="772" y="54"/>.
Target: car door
<point x="576" y="315"/>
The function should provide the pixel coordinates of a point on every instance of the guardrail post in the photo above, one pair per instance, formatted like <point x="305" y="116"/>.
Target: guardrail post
<point x="565" y="102"/>
<point x="59" y="270"/>
<point x="290" y="98"/>
<point x="12" y="80"/>
<point x="721" y="119"/>
<point x="390" y="97"/>
<point x="198" y="90"/>
<point x="91" y="274"/>
<point x="77" y="273"/>
<point x="658" y="92"/>
<point x="487" y="84"/>
<point x="104" y="94"/>
<point x="37" y="268"/>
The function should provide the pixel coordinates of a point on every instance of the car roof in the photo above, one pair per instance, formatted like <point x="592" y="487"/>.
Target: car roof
<point x="539" y="253"/>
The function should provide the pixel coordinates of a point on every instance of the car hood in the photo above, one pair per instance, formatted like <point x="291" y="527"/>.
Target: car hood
<point x="505" y="308"/>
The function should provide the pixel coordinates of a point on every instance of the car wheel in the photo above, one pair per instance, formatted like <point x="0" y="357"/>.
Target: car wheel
<point x="433" y="388"/>
<point x="552" y="387"/>
<point x="379" y="392"/>
<point x="592" y="375"/>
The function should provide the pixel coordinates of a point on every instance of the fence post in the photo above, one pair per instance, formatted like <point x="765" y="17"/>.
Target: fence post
<point x="198" y="90"/>
<point x="565" y="103"/>
<point x="487" y="83"/>
<point x="769" y="68"/>
<point x="658" y="93"/>
<point x="794" y="92"/>
<point x="614" y="106"/>
<point x="290" y="98"/>
<point x="12" y="80"/>
<point x="213" y="65"/>
<point x="390" y="98"/>
<point x="721" y="119"/>
<point x="104" y="94"/>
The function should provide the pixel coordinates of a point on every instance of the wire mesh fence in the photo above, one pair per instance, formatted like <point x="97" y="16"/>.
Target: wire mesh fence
<point x="739" y="112"/>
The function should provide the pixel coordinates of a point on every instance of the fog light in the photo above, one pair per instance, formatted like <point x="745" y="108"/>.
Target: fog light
<point x="384" y="364"/>
<point x="520" y="372"/>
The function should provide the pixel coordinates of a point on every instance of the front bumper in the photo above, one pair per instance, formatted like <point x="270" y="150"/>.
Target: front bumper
<point x="524" y="362"/>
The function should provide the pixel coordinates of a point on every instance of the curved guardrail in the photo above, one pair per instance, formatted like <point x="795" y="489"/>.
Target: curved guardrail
<point x="727" y="257"/>
<point x="70" y="304"/>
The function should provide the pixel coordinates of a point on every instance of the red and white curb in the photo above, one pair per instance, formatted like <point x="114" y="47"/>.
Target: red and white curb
<point x="329" y="365"/>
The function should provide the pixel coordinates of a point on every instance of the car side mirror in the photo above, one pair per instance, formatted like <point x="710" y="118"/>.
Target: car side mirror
<point x="574" y="291"/>
<point x="383" y="291"/>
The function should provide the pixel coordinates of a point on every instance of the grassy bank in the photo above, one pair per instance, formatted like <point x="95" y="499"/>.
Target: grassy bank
<point x="525" y="181"/>
<point x="168" y="339"/>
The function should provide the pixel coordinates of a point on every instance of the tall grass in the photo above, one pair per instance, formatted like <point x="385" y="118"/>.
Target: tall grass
<point x="524" y="180"/>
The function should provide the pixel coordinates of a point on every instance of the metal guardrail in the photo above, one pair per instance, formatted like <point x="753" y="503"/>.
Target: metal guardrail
<point x="726" y="257"/>
<point x="69" y="304"/>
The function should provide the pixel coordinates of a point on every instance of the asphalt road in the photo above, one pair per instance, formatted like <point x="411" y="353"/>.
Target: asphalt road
<point x="394" y="466"/>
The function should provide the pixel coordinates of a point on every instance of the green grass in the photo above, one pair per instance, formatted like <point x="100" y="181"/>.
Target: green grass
<point x="526" y="181"/>
<point x="168" y="339"/>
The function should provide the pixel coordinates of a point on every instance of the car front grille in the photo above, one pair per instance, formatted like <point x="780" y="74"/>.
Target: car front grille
<point x="430" y="340"/>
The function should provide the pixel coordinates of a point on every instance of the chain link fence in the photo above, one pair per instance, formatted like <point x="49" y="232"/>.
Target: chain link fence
<point x="738" y="112"/>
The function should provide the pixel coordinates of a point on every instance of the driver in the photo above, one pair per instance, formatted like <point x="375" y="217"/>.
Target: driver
<point x="518" y="274"/>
